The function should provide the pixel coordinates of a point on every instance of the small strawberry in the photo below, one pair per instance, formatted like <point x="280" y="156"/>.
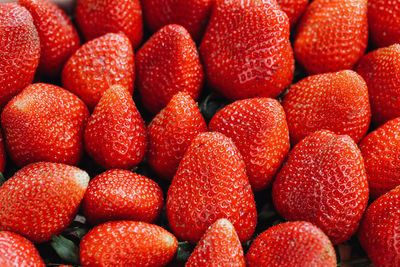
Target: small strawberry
<point x="292" y="244"/>
<point x="166" y="64"/>
<point x="44" y="123"/>
<point x="127" y="243"/>
<point x="293" y="9"/>
<point x="323" y="182"/>
<point x="2" y="154"/>
<point x="331" y="101"/>
<point x="99" y="64"/>
<point x="41" y="199"/>
<point x="115" y="135"/>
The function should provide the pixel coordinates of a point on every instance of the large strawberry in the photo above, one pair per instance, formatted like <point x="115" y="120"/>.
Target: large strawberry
<point x="115" y="135"/>
<point x="258" y="128"/>
<point x="323" y="182"/>
<point x="332" y="35"/>
<point x="127" y="243"/>
<point x="41" y="199"/>
<point x="246" y="49"/>
<point x="20" y="50"/>
<point x="44" y="123"/>
<point x="58" y="37"/>
<point x="293" y="9"/>
<point x="99" y="64"/>
<point x="171" y="132"/>
<point x="291" y="244"/>
<point x="211" y="183"/>
<point x="332" y="101"/>
<point x="166" y="64"/>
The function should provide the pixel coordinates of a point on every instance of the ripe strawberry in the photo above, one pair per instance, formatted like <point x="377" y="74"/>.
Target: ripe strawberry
<point x="293" y="9"/>
<point x="2" y="154"/>
<point x="171" y="132"/>
<point x="58" y="37"/>
<point x="127" y="243"/>
<point x="41" y="199"/>
<point x="16" y="250"/>
<point x="166" y="64"/>
<point x="122" y="195"/>
<point x="20" y="50"/>
<point x="332" y="35"/>
<point x="332" y="101"/>
<point x="292" y="244"/>
<point x="258" y="128"/>
<point x="115" y="135"/>
<point x="381" y="71"/>
<point x="44" y="123"/>
<point x="99" y="64"/>
<point x="211" y="183"/>
<point x="323" y="182"/>
<point x="98" y="17"/>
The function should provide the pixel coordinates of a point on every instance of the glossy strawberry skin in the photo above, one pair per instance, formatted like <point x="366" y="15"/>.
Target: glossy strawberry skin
<point x="322" y="101"/>
<point x="44" y="123"/>
<point x="247" y="53"/>
<point x="323" y="182"/>
<point x="167" y="64"/>
<point x="99" y="64"/>
<point x="20" y="50"/>
<point x="293" y="9"/>
<point x="171" y="132"/>
<point x="127" y="243"/>
<point x="210" y="184"/>
<point x="258" y="128"/>
<point x="115" y="135"/>
<point x="41" y="199"/>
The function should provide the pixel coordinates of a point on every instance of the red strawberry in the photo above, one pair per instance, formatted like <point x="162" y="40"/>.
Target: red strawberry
<point x="58" y="37"/>
<point x="44" y="123"/>
<point x="16" y="250"/>
<point x="2" y="154"/>
<point x="20" y="50"/>
<point x="323" y="182"/>
<point x="381" y="71"/>
<point x="332" y="101"/>
<point x="98" y="17"/>
<point x="166" y="64"/>
<point x="292" y="244"/>
<point x="122" y="195"/>
<point x="171" y="132"/>
<point x="99" y="64"/>
<point x="246" y="49"/>
<point x="41" y="199"/>
<point x="258" y="128"/>
<point x="211" y="183"/>
<point x="127" y="243"/>
<point x="332" y="35"/>
<point x="115" y="135"/>
<point x="293" y="9"/>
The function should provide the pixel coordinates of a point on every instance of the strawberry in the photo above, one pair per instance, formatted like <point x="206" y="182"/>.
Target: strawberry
<point x="246" y="49"/>
<point x="335" y="101"/>
<point x="122" y="195"/>
<point x="171" y="132"/>
<point x="332" y="35"/>
<point x="41" y="199"/>
<point x="323" y="182"/>
<point x="381" y="71"/>
<point x="293" y="9"/>
<point x="18" y="251"/>
<point x="58" y="37"/>
<point x="127" y="243"/>
<point x="44" y="123"/>
<point x="115" y="135"/>
<point x="211" y="183"/>
<point x="20" y="50"/>
<point x="99" y="64"/>
<point x="166" y="64"/>
<point x="2" y="154"/>
<point x="98" y="17"/>
<point x="292" y="244"/>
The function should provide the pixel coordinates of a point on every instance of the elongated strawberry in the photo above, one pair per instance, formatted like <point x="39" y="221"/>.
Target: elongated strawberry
<point x="44" y="123"/>
<point x="127" y="243"/>
<point x="293" y="9"/>
<point x="41" y="199"/>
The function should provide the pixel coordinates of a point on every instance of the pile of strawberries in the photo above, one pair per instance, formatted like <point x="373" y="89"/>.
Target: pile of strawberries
<point x="97" y="99"/>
